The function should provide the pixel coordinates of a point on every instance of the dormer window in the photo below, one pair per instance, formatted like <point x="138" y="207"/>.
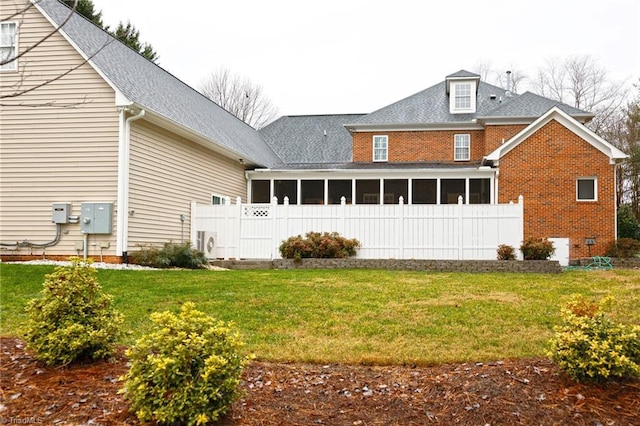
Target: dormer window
<point x="462" y="97"/>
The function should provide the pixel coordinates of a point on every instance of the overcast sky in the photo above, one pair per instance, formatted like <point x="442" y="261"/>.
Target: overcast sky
<point x="355" y="56"/>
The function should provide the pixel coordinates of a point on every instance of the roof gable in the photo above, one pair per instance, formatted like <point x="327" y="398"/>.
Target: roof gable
<point x="142" y="83"/>
<point x="556" y="113"/>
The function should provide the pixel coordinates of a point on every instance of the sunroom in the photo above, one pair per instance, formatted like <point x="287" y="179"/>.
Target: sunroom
<point x="413" y="184"/>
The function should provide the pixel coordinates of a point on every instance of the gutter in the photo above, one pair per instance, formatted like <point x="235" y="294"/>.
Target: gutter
<point x="124" y="151"/>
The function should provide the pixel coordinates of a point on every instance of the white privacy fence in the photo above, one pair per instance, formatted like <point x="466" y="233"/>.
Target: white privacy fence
<point x="390" y="231"/>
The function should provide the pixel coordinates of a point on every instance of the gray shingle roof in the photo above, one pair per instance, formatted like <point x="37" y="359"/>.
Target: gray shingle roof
<point x="431" y="106"/>
<point x="530" y="105"/>
<point x="148" y="85"/>
<point x="311" y="139"/>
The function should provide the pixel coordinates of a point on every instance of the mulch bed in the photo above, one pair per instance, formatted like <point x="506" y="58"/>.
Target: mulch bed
<point x="508" y="392"/>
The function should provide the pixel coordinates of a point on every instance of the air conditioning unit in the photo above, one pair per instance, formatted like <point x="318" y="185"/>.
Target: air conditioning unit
<point x="208" y="243"/>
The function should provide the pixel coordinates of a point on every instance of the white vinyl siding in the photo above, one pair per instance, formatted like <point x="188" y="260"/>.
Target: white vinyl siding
<point x="8" y="46"/>
<point x="462" y="147"/>
<point x="58" y="143"/>
<point x="587" y="189"/>
<point x="380" y="148"/>
<point x="167" y="173"/>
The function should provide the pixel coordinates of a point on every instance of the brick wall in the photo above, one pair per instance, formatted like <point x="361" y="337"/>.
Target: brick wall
<point x="417" y="146"/>
<point x="494" y="135"/>
<point x="544" y="169"/>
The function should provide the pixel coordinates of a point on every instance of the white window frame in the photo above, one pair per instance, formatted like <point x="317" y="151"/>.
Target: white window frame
<point x="461" y="141"/>
<point x="456" y="89"/>
<point x="13" y="65"/>
<point x="221" y="198"/>
<point x="380" y="148"/>
<point x="595" y="189"/>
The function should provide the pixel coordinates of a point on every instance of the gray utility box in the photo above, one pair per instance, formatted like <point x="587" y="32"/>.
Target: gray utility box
<point x="60" y="212"/>
<point x="97" y="218"/>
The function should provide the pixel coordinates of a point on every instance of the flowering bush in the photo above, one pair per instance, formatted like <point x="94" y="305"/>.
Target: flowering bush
<point x="537" y="248"/>
<point x="588" y="346"/>
<point x="506" y="252"/>
<point x="186" y="371"/>
<point x="315" y="244"/>
<point x="72" y="319"/>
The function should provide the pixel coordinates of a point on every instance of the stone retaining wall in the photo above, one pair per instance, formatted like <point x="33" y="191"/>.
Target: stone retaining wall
<point x="535" y="266"/>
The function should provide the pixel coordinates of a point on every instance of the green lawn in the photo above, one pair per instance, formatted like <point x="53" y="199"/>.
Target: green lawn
<point x="353" y="316"/>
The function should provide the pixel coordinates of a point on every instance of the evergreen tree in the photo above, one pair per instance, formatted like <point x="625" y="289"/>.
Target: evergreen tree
<point x="128" y="34"/>
<point x="86" y="8"/>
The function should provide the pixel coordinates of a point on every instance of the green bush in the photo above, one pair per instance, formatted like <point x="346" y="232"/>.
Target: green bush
<point x="506" y="252"/>
<point x="171" y="255"/>
<point x="186" y="371"/>
<point x="533" y="248"/>
<point x="590" y="347"/>
<point x="317" y="245"/>
<point x="628" y="226"/>
<point x="72" y="319"/>
<point x="623" y="248"/>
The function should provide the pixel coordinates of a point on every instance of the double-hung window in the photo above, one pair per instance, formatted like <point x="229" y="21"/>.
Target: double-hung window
<point x="587" y="189"/>
<point x="8" y="46"/>
<point x="462" y="147"/>
<point x="380" y="148"/>
<point x="462" y="96"/>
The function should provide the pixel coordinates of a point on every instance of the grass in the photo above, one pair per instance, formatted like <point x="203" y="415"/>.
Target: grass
<point x="353" y="316"/>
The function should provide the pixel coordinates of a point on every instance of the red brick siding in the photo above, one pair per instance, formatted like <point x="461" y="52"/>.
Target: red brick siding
<point x="417" y="146"/>
<point x="544" y="169"/>
<point x="494" y="135"/>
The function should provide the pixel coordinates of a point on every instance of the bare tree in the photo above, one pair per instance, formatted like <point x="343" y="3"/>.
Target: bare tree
<point x="240" y="97"/>
<point x="583" y="83"/>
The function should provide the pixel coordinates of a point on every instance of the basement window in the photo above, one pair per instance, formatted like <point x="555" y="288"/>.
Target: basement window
<point x="587" y="189"/>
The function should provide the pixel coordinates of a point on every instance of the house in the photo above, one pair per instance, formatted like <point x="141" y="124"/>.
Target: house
<point x="117" y="133"/>
<point x="109" y="154"/>
<point x="460" y="137"/>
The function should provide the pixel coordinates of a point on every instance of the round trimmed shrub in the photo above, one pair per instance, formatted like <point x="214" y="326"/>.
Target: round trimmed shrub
<point x="506" y="252"/>
<point x="186" y="371"/>
<point x="72" y="319"/>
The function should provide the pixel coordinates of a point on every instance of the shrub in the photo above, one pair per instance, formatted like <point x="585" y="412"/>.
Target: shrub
<point x="506" y="252"/>
<point x="171" y="255"/>
<point x="72" y="319"/>
<point x="628" y="226"/>
<point x="590" y="347"/>
<point x="537" y="248"/>
<point x="623" y="248"/>
<point x="186" y="371"/>
<point x="317" y="245"/>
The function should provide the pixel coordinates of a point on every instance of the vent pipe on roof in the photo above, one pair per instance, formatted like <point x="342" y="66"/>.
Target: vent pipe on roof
<point x="508" y="92"/>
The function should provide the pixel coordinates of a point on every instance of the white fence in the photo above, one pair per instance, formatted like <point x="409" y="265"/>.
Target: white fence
<point x="392" y="231"/>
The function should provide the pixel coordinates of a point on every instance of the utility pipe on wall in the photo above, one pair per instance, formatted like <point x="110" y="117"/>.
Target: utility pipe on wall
<point x="124" y="145"/>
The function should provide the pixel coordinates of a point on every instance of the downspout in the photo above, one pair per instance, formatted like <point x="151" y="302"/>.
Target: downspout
<point x="124" y="145"/>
